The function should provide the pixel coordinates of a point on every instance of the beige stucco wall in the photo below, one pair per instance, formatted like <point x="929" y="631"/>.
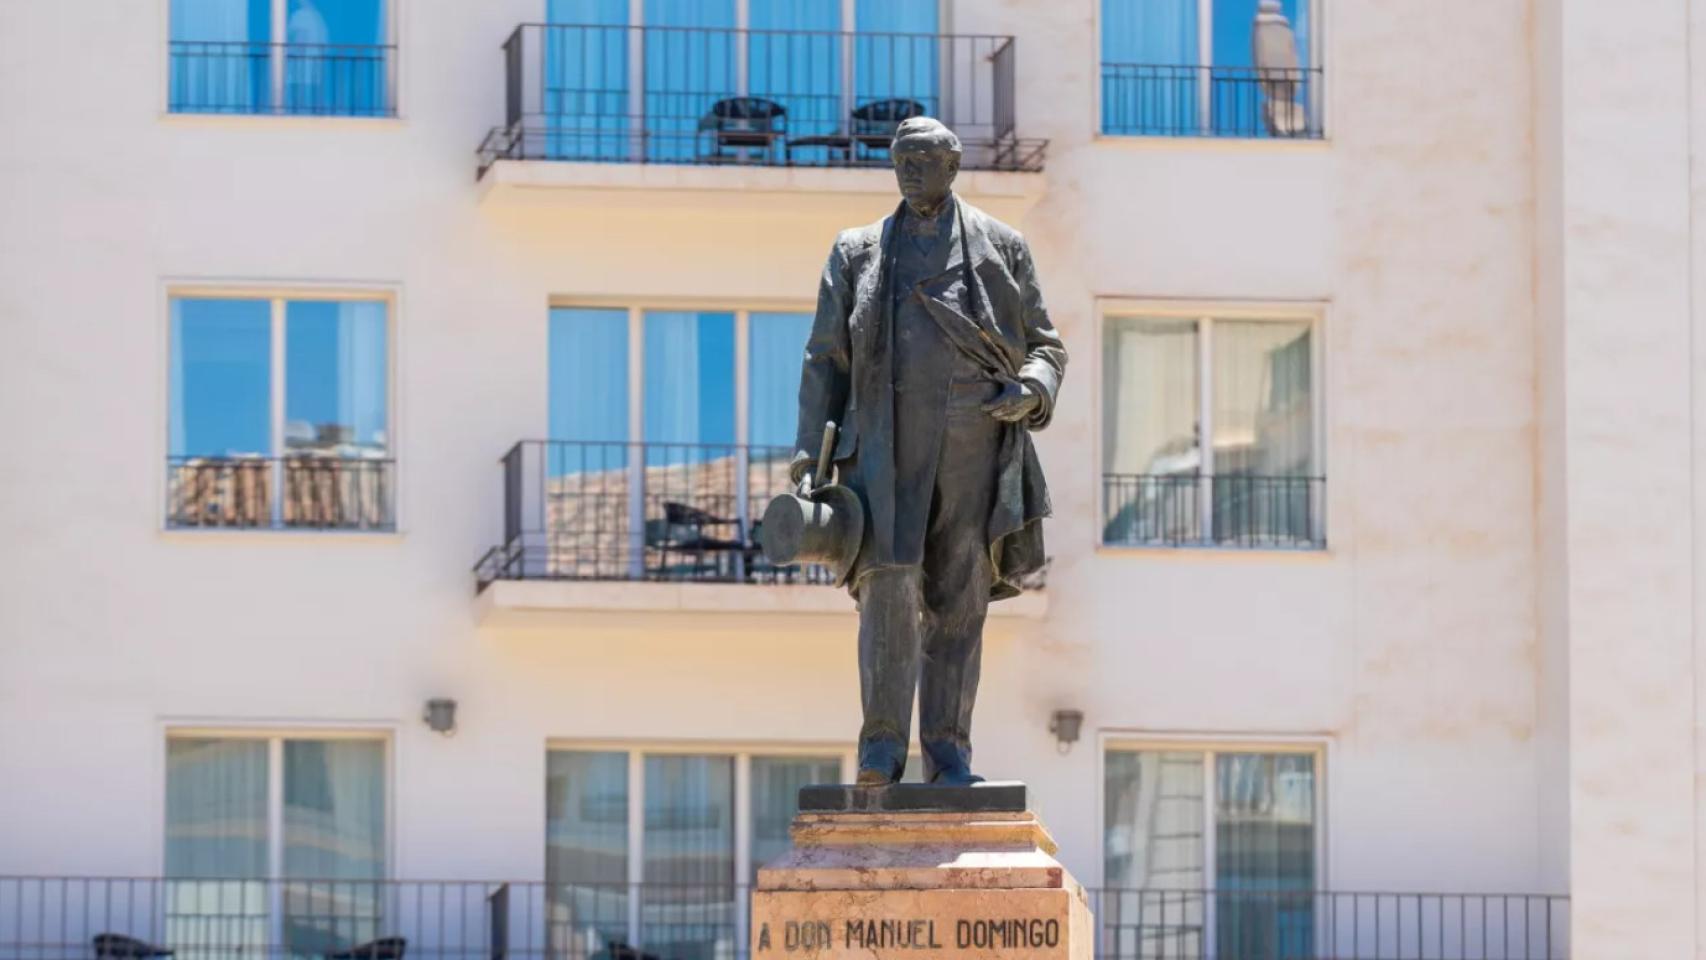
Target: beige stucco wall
<point x="1412" y="647"/>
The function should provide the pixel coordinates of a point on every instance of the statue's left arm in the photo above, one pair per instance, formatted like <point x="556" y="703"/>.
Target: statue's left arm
<point x="1045" y="354"/>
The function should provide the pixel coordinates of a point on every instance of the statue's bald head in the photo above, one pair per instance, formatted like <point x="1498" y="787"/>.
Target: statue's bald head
<point x="927" y="134"/>
<point x="926" y="158"/>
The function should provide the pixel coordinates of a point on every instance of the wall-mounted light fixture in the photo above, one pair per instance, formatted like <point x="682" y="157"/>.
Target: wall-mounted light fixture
<point x="1065" y="725"/>
<point x="440" y="715"/>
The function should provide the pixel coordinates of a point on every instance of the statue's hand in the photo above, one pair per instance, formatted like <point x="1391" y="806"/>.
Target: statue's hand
<point x="806" y="485"/>
<point x="1016" y="402"/>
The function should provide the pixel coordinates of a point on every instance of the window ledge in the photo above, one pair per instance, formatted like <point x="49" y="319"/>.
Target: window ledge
<point x="270" y="534"/>
<point x="507" y="603"/>
<point x="833" y="191"/>
<point x="1211" y="552"/>
<point x="1151" y="141"/>
<point x="300" y="120"/>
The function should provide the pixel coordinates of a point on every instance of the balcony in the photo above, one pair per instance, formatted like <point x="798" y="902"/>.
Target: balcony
<point x="591" y="108"/>
<point x="281" y="493"/>
<point x="290" y="79"/>
<point x="69" y="918"/>
<point x="677" y="523"/>
<point x="1237" y="511"/>
<point x="1156" y="100"/>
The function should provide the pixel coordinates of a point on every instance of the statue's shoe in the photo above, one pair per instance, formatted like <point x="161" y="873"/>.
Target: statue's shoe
<point x="872" y="777"/>
<point x="957" y="777"/>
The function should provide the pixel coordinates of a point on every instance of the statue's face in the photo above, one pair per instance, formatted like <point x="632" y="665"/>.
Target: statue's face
<point x="925" y="172"/>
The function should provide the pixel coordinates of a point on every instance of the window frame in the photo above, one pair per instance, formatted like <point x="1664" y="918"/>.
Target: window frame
<point x="1319" y="37"/>
<point x="1317" y="746"/>
<point x="275" y="737"/>
<point x="742" y="308"/>
<point x="278" y="294"/>
<point x="394" y="21"/>
<point x="1314" y="312"/>
<point x="742" y="754"/>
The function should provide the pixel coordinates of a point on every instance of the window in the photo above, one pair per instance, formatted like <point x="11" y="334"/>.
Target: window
<point x="267" y="838"/>
<point x="806" y="57"/>
<point x="1209" y="852"/>
<point x="658" y="850"/>
<point x="670" y="430"/>
<point x="319" y="57"/>
<point x="279" y="413"/>
<point x="1210" y="432"/>
<point x="1210" y="68"/>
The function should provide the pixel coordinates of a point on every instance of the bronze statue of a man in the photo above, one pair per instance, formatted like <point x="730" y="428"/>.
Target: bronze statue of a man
<point x="933" y="352"/>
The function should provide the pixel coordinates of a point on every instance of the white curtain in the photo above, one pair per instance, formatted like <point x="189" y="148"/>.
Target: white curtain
<point x="1265" y="854"/>
<point x="776" y="348"/>
<point x="336" y="391"/>
<point x="1263" y="399"/>
<point x="1153" y="854"/>
<point x="586" y="850"/>
<point x="221" y="378"/>
<point x="1150" y="396"/>
<point x="334" y="833"/>
<point x="689" y="385"/>
<point x="219" y="55"/>
<point x="1149" y="51"/>
<point x="687" y="907"/>
<point x="216" y="844"/>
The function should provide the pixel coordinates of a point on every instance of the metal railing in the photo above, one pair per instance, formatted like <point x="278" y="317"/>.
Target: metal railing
<point x="318" y="79"/>
<point x="586" y="92"/>
<point x="75" y="918"/>
<point x="1235" y="510"/>
<point x="1145" y="99"/>
<point x="299" y="492"/>
<point x="593" y="510"/>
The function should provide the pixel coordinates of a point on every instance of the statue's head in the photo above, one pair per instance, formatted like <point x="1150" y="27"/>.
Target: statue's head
<point x="926" y="158"/>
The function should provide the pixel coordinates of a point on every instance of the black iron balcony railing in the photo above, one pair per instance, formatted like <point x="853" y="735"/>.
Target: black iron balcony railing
<point x="317" y="79"/>
<point x="791" y="98"/>
<point x="588" y="510"/>
<point x="1144" y="99"/>
<point x="299" y="492"/>
<point x="74" y="918"/>
<point x="1235" y="510"/>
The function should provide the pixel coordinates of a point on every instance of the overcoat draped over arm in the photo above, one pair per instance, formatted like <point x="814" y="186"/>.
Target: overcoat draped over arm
<point x="990" y="308"/>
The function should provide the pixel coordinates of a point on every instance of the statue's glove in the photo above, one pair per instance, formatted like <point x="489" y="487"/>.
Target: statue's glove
<point x="1016" y="402"/>
<point x="800" y="473"/>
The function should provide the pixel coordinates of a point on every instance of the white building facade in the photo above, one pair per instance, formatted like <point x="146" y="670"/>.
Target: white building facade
<point x="370" y="352"/>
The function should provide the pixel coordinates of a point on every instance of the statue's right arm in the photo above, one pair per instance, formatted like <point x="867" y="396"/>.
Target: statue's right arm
<point x="825" y="374"/>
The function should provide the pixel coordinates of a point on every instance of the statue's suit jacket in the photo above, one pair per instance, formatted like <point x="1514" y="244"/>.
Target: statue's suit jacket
<point x="988" y="303"/>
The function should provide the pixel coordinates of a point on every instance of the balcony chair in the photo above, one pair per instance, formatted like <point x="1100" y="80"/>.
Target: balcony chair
<point x="870" y="126"/>
<point x="117" y="946"/>
<point x="384" y="948"/>
<point x="743" y="124"/>
<point x="681" y="533"/>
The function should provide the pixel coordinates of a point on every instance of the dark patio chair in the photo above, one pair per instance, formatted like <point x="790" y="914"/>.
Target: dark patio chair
<point x="743" y="124"/>
<point x="384" y="948"/>
<point x="685" y="547"/>
<point x="118" y="946"/>
<point x="870" y="126"/>
<point x="874" y="123"/>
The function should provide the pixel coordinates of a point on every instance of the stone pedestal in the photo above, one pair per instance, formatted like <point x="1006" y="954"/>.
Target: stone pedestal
<point x="919" y="871"/>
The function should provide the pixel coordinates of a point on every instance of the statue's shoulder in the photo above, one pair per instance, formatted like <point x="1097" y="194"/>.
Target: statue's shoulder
<point x="1003" y="236"/>
<point x="856" y="240"/>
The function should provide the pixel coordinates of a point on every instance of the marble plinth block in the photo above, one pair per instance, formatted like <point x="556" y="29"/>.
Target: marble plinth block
<point x="926" y="880"/>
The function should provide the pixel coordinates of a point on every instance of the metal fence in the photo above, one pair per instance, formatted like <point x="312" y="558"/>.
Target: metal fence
<point x="74" y="918"/>
<point x="300" y="492"/>
<point x="240" y="76"/>
<point x="1185" y="510"/>
<point x="776" y="97"/>
<point x="590" y="510"/>
<point x="1147" y="99"/>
